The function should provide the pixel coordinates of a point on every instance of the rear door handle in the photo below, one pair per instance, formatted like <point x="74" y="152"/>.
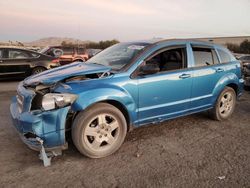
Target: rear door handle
<point x="184" y="76"/>
<point x="219" y="70"/>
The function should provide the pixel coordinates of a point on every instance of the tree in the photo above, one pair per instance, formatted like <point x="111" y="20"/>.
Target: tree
<point x="94" y="45"/>
<point x="233" y="47"/>
<point x="244" y="47"/>
<point x="102" y="44"/>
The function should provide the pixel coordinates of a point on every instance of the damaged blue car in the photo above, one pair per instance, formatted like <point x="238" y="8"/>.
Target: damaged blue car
<point x="127" y="85"/>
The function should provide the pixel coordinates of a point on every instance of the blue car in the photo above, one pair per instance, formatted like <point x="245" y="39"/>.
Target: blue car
<point x="127" y="85"/>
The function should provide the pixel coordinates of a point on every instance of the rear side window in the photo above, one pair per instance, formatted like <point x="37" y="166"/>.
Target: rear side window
<point x="224" y="56"/>
<point x="68" y="51"/>
<point x="1" y="54"/>
<point x="203" y="57"/>
<point x="80" y="50"/>
<point x="17" y="54"/>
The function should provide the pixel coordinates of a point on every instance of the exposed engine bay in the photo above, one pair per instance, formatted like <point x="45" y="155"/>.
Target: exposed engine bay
<point x="42" y="89"/>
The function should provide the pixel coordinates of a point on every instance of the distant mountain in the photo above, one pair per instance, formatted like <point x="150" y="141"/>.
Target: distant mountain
<point x="51" y="41"/>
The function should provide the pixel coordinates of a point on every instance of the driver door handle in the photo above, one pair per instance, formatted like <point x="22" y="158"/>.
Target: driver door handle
<point x="184" y="76"/>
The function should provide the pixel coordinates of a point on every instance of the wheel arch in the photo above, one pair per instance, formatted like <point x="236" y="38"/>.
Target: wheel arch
<point x="78" y="59"/>
<point x="234" y="86"/>
<point x="38" y="66"/>
<point x="117" y="97"/>
<point x="123" y="110"/>
<point x="230" y="80"/>
<point x="114" y="103"/>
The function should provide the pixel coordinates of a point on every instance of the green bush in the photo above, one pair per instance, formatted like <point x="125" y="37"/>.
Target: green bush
<point x="102" y="44"/>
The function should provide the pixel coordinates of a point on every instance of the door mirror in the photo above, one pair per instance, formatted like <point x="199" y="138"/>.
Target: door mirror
<point x="148" y="69"/>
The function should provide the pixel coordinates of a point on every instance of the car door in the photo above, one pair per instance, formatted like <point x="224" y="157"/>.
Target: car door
<point x="15" y="63"/>
<point x="165" y="94"/>
<point x="2" y="69"/>
<point x="207" y="72"/>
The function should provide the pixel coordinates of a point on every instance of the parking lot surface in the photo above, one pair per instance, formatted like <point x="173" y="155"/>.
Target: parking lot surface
<point x="192" y="151"/>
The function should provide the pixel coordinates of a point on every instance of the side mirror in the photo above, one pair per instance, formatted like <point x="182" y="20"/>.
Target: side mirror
<point x="148" y="69"/>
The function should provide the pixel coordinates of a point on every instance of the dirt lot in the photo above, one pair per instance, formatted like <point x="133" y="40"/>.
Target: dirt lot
<point x="192" y="151"/>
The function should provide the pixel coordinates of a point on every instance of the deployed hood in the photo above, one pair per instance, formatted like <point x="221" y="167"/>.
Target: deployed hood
<point x="57" y="74"/>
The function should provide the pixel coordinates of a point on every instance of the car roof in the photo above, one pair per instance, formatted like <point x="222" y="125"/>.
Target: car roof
<point x="14" y="47"/>
<point x="156" y="41"/>
<point x="18" y="48"/>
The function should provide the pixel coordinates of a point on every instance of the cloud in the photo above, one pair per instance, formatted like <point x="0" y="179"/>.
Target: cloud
<point x="118" y="6"/>
<point x="124" y="19"/>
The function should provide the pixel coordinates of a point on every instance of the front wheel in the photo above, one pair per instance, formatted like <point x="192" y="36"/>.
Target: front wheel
<point x="99" y="131"/>
<point x="225" y="105"/>
<point x="38" y="70"/>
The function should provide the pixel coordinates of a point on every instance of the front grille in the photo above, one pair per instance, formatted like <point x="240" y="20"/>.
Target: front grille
<point x="20" y="99"/>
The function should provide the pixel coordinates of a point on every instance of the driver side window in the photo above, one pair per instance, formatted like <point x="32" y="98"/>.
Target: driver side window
<point x="163" y="61"/>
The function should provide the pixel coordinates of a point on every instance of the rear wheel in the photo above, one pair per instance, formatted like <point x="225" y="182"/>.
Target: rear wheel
<point x="38" y="70"/>
<point x="99" y="131"/>
<point x="225" y="105"/>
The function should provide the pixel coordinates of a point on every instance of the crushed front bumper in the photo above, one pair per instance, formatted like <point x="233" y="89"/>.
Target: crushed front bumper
<point x="46" y="125"/>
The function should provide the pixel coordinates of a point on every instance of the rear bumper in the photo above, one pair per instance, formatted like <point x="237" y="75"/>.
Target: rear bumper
<point x="48" y="126"/>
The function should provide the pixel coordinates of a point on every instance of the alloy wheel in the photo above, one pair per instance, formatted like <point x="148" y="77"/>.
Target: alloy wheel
<point x="102" y="132"/>
<point x="226" y="104"/>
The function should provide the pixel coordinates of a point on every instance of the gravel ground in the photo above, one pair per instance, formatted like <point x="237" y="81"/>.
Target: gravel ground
<point x="191" y="151"/>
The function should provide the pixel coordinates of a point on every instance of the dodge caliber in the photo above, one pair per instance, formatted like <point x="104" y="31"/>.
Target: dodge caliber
<point x="127" y="85"/>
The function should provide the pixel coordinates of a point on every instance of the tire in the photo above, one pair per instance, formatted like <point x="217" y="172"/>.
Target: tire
<point x="99" y="131"/>
<point x="225" y="105"/>
<point x="38" y="70"/>
<point x="57" y="52"/>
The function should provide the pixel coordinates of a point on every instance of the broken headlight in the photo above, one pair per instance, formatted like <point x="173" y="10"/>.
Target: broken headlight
<point x="51" y="101"/>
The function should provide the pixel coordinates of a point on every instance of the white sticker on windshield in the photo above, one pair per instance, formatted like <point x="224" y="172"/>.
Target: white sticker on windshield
<point x="136" y="47"/>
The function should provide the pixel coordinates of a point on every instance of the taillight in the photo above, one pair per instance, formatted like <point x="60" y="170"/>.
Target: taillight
<point x="55" y="61"/>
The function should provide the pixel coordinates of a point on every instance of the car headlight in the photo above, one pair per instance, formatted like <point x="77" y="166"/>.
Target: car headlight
<point x="57" y="100"/>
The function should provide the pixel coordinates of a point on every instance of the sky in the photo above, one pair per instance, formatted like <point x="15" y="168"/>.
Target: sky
<point x="125" y="20"/>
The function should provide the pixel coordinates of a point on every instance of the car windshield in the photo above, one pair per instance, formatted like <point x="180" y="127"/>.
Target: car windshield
<point x="118" y="56"/>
